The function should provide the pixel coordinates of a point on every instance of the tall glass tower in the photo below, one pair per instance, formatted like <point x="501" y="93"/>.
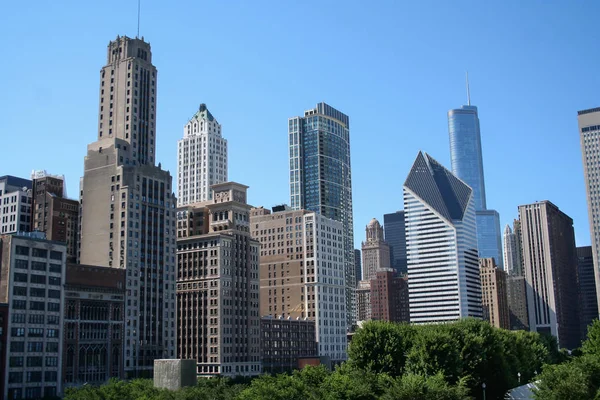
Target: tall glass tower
<point x="321" y="179"/>
<point x="467" y="164"/>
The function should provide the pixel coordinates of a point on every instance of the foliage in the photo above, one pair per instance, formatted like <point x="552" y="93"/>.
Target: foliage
<point x="419" y="387"/>
<point x="591" y="346"/>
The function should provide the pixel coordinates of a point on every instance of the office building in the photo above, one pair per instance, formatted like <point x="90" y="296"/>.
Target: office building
<point x="467" y="164"/>
<point x="363" y="301"/>
<point x="128" y="205"/>
<point x="588" y="305"/>
<point x="15" y="204"/>
<point x="284" y="341"/>
<point x="93" y="324"/>
<point x="3" y="345"/>
<point x="218" y="321"/>
<point x="493" y="294"/>
<point x="202" y="158"/>
<point x="34" y="274"/>
<point x="441" y="241"/>
<point x="513" y="263"/>
<point x="321" y="178"/>
<point x="375" y="251"/>
<point x="395" y="237"/>
<point x="550" y="260"/>
<point x="389" y="297"/>
<point x="302" y="272"/>
<point x="357" y="266"/>
<point x="589" y="137"/>
<point x="516" y="289"/>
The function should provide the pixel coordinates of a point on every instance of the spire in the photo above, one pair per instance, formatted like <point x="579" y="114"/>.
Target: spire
<point x="138" y="22"/>
<point x="468" y="91"/>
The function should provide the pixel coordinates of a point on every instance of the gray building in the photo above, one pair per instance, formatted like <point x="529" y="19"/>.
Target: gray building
<point x="375" y="251"/>
<point x="516" y="288"/>
<point x="395" y="236"/>
<point x="128" y="206"/>
<point x="587" y="288"/>
<point x="15" y="204"/>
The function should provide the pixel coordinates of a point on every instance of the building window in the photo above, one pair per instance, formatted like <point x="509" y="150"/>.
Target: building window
<point x="22" y="250"/>
<point x="42" y="253"/>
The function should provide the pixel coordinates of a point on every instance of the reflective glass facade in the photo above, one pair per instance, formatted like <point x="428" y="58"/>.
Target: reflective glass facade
<point x="395" y="236"/>
<point x="489" y="241"/>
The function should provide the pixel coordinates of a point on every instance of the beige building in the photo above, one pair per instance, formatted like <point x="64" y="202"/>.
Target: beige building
<point x="128" y="206"/>
<point x="493" y="292"/>
<point x="375" y="251"/>
<point x="218" y="285"/>
<point x="363" y="297"/>
<point x="302" y="272"/>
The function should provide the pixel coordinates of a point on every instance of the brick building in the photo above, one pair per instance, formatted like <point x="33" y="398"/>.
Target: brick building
<point x="285" y="341"/>
<point x="389" y="297"/>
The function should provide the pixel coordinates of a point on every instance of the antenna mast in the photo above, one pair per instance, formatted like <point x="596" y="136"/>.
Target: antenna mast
<point x="138" y="26"/>
<point x="468" y="91"/>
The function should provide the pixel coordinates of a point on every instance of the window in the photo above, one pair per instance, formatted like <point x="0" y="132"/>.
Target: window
<point x="54" y="294"/>
<point x="34" y="376"/>
<point x="17" y="347"/>
<point x="16" y="361"/>
<point x="36" y="318"/>
<point x="20" y="277"/>
<point x="56" y="255"/>
<point x="19" y="304"/>
<point x="39" y="279"/>
<point x="22" y="250"/>
<point x="54" y="281"/>
<point x="38" y="266"/>
<point x="53" y="319"/>
<point x="51" y="361"/>
<point x="21" y="264"/>
<point x="35" y="361"/>
<point x="50" y="376"/>
<point x="35" y="347"/>
<point x="15" y="377"/>
<point x="37" y="305"/>
<point x="18" y="332"/>
<point x="52" y="333"/>
<point x="37" y="292"/>
<point x="19" y="291"/>
<point x="56" y="268"/>
<point x="54" y="307"/>
<point x="42" y="253"/>
<point x="35" y="332"/>
<point x="18" y="318"/>
<point x="52" y="347"/>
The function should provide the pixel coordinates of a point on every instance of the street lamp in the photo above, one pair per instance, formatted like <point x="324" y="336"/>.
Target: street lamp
<point x="519" y="375"/>
<point x="483" y="387"/>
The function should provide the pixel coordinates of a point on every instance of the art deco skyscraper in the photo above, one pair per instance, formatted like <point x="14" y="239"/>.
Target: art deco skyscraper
<point x="321" y="178"/>
<point x="589" y="137"/>
<point x="202" y="158"/>
<point x="128" y="207"/>
<point x="375" y="251"/>
<point x="443" y="269"/>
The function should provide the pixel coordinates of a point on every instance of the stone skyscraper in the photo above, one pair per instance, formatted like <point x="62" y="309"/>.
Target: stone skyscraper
<point x="494" y="294"/>
<point x="443" y="269"/>
<point x="321" y="178"/>
<point x="202" y="158"/>
<point x="128" y="206"/>
<point x="375" y="251"/>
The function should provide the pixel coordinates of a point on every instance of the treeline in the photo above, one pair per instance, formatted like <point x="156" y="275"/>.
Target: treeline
<point x="386" y="361"/>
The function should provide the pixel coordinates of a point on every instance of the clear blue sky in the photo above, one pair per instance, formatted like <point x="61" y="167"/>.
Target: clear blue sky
<point x="394" y="67"/>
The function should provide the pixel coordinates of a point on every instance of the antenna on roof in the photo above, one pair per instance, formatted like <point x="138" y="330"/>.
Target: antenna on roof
<point x="468" y="91"/>
<point x="138" y="26"/>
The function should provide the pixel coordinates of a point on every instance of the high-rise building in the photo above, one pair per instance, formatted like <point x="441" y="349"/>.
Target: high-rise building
<point x="321" y="178"/>
<point x="443" y="268"/>
<point x="218" y="321"/>
<point x="512" y="256"/>
<point x="589" y="137"/>
<point x="15" y="204"/>
<point x="587" y="288"/>
<point x="375" y="251"/>
<point x="33" y="271"/>
<point x="357" y="266"/>
<point x="202" y="158"/>
<point x="284" y="341"/>
<point x="302" y="272"/>
<point x="493" y="292"/>
<point x="128" y="206"/>
<point x="395" y="237"/>
<point x="467" y="164"/>
<point x="550" y="260"/>
<point x="363" y="301"/>
<point x="389" y="296"/>
<point x="516" y="289"/>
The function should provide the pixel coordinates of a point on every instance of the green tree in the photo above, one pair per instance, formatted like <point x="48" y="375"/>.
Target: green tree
<point x="591" y="346"/>
<point x="577" y="379"/>
<point x="435" y="350"/>
<point x="280" y="387"/>
<point x="419" y="387"/>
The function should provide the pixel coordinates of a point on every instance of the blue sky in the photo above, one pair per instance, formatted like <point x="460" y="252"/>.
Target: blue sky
<point x="394" y="67"/>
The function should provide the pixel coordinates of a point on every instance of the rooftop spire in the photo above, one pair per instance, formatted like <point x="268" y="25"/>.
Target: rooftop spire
<point x="468" y="91"/>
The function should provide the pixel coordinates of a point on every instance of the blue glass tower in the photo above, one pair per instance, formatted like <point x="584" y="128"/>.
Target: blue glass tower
<point x="467" y="164"/>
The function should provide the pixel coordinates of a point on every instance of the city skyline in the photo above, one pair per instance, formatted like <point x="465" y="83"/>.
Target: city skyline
<point x="565" y="188"/>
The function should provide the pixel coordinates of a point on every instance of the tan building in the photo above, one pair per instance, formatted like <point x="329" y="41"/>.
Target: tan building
<point x="363" y="297"/>
<point x="375" y="251"/>
<point x="302" y="272"/>
<point x="493" y="292"/>
<point x="218" y="285"/>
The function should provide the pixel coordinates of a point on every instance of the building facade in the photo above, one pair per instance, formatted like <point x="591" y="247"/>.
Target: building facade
<point x="516" y="288"/>
<point x="389" y="297"/>
<point x="512" y="254"/>
<point x="218" y="322"/>
<point x="494" y="294"/>
<point x="589" y="137"/>
<point x="321" y="178"/>
<point x="302" y="273"/>
<point x="395" y="237"/>
<point x="375" y="251"/>
<point x="33" y="275"/>
<point x="357" y="266"/>
<point x="93" y="324"/>
<point x="443" y="269"/>
<point x="284" y="341"/>
<point x="15" y="204"/>
<point x="587" y="288"/>
<point x="550" y="260"/>
<point x="202" y="158"/>
<point x="128" y="206"/>
<point x="363" y="301"/>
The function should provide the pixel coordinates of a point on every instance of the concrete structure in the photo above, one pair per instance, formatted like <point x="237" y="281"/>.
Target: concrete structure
<point x="375" y="251"/>
<point x="363" y="297"/>
<point x="128" y="206"/>
<point x="321" y="178"/>
<point x="389" y="297"/>
<point x="93" y="325"/>
<point x="284" y="341"/>
<point x="302" y="272"/>
<point x="218" y="321"/>
<point x="54" y="214"/>
<point x="202" y="158"/>
<point x="493" y="294"/>
<point x="15" y="204"/>
<point x="357" y="266"/>
<point x="550" y="261"/>
<point x="395" y="236"/>
<point x="32" y="275"/>
<point x="588" y="305"/>
<point x="174" y="374"/>
<point x="443" y="269"/>
<point x="516" y="289"/>
<point x="589" y="137"/>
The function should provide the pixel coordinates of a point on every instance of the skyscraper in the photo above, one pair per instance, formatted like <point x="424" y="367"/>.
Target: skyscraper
<point x="589" y="137"/>
<point x="128" y="208"/>
<point x="375" y="251"/>
<point x="550" y="261"/>
<point x="512" y="256"/>
<point x="587" y="288"/>
<point x="16" y="199"/>
<point x="395" y="236"/>
<point x="202" y="158"/>
<point x="494" y="296"/>
<point x="321" y="178"/>
<point x="357" y="265"/>
<point x="467" y="164"/>
<point x="443" y="269"/>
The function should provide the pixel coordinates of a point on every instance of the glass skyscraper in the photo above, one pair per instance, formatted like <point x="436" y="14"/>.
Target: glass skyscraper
<point x="320" y="178"/>
<point x="395" y="236"/>
<point x="467" y="164"/>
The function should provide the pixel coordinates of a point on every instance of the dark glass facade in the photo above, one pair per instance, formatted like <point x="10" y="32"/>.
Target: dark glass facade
<point x="395" y="236"/>
<point x="587" y="288"/>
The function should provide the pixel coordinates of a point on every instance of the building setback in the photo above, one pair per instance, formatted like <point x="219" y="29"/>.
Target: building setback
<point x="395" y="237"/>
<point x="202" y="158"/>
<point x="375" y="251"/>
<point x="218" y="285"/>
<point x="493" y="293"/>
<point x="516" y="288"/>
<point x="587" y="288"/>
<point x="15" y="204"/>
<point x="443" y="270"/>
<point x="284" y="341"/>
<point x="550" y="260"/>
